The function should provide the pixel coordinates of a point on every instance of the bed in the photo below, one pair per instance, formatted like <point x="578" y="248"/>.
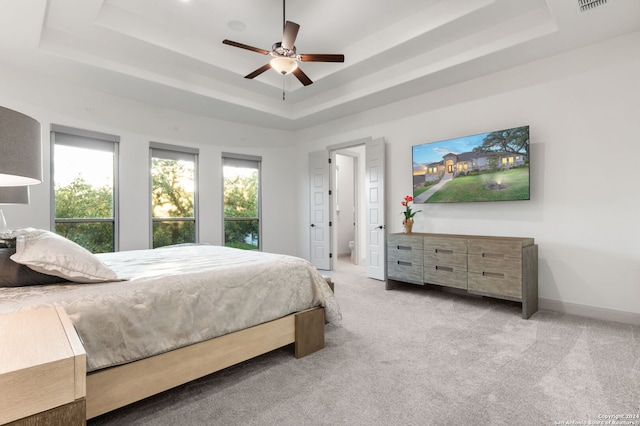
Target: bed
<point x="150" y="320"/>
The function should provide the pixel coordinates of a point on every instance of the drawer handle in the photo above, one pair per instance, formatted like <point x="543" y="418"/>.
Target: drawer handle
<point x="401" y="263"/>
<point x="444" y="268"/>
<point x="493" y="274"/>
<point x="493" y="255"/>
<point x="404" y="248"/>
<point x="443" y="251"/>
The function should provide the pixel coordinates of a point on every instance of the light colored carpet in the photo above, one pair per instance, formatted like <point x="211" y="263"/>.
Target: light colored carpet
<point x="414" y="356"/>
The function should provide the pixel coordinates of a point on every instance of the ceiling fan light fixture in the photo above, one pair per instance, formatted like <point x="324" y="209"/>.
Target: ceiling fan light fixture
<point x="284" y="65"/>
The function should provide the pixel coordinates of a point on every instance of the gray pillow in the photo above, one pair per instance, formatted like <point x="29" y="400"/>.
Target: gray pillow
<point x="13" y="274"/>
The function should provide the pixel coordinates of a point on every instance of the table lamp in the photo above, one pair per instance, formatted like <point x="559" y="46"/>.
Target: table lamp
<point x="20" y="159"/>
<point x="20" y="149"/>
<point x="11" y="195"/>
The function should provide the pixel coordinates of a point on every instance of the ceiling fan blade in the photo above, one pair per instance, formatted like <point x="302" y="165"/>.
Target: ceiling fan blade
<point x="302" y="77"/>
<point x="289" y="34"/>
<point x="258" y="71"/>
<point x="245" y="46"/>
<point x="320" y="57"/>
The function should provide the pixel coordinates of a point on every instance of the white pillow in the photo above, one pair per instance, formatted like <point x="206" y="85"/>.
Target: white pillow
<point x="49" y="253"/>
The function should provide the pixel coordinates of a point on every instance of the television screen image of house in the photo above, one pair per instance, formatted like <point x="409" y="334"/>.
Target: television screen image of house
<point x="492" y="166"/>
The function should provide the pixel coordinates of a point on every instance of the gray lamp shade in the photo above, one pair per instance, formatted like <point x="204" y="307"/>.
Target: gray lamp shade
<point x="14" y="195"/>
<point x="20" y="149"/>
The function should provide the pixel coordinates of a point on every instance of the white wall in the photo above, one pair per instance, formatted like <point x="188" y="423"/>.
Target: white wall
<point x="584" y="111"/>
<point x="136" y="123"/>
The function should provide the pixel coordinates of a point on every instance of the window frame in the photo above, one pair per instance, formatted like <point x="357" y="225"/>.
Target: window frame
<point x="178" y="152"/>
<point x="250" y="158"/>
<point x="86" y="139"/>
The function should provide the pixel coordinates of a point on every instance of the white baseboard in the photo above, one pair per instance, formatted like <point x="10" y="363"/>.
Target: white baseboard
<point x="589" y="311"/>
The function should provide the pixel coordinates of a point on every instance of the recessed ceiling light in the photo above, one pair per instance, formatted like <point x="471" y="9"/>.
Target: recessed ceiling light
<point x="237" y="25"/>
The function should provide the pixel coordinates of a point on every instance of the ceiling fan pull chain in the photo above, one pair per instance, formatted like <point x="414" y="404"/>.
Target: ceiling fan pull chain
<point x="283" y="87"/>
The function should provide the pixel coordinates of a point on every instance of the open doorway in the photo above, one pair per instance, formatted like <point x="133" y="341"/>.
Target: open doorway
<point x="369" y="239"/>
<point x="348" y="201"/>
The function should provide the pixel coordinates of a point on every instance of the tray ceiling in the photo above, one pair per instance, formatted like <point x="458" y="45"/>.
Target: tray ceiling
<point x="169" y="53"/>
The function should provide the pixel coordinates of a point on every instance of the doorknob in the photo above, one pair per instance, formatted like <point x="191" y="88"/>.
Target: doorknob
<point x="313" y="225"/>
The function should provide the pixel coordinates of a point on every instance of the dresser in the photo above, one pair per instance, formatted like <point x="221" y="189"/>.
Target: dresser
<point x="499" y="267"/>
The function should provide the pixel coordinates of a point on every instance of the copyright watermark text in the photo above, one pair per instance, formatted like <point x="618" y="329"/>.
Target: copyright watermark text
<point x="604" y="419"/>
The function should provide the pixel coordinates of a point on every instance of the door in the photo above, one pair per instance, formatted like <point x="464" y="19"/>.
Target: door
<point x="319" y="224"/>
<point x="374" y="187"/>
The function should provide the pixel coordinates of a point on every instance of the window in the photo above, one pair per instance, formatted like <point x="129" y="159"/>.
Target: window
<point x="85" y="193"/>
<point x="241" y="175"/>
<point x="173" y="195"/>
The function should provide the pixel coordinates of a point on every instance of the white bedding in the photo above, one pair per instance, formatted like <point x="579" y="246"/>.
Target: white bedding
<point x="176" y="296"/>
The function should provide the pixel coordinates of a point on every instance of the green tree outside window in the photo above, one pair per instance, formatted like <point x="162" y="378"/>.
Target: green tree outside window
<point x="241" y="208"/>
<point x="173" y="201"/>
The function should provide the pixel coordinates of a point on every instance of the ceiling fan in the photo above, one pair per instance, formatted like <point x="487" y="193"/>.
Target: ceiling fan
<point x="284" y="56"/>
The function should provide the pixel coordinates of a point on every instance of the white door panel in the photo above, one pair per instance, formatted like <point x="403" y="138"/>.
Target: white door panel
<point x="376" y="253"/>
<point x="319" y="227"/>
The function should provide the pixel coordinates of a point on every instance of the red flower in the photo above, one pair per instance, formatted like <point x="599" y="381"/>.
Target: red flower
<point x="408" y="213"/>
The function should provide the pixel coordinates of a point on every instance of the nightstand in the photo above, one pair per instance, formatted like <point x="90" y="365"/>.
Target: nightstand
<point x="42" y="369"/>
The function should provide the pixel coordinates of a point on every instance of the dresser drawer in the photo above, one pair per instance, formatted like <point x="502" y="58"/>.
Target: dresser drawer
<point x="495" y="265"/>
<point x="405" y="271"/>
<point x="405" y="248"/>
<point x="493" y="285"/>
<point x="446" y="276"/>
<point x="443" y="245"/>
<point x="404" y="242"/>
<point x="413" y="256"/>
<point x="495" y="248"/>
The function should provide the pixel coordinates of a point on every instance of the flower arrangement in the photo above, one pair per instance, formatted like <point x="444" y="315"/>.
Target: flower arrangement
<point x="408" y="213"/>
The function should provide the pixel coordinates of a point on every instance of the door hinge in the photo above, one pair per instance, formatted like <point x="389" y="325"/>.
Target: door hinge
<point x="330" y="255"/>
<point x="329" y="192"/>
<point x="329" y="160"/>
<point x="330" y="223"/>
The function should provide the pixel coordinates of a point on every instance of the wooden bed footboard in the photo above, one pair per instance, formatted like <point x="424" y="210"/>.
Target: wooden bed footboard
<point x="122" y="385"/>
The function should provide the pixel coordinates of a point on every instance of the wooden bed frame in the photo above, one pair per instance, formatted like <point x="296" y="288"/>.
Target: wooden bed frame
<point x="115" y="387"/>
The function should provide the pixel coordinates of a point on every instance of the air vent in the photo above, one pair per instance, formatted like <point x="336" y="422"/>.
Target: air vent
<point x="590" y="4"/>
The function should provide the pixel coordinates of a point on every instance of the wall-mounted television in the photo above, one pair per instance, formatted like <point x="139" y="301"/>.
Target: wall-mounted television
<point x="492" y="166"/>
